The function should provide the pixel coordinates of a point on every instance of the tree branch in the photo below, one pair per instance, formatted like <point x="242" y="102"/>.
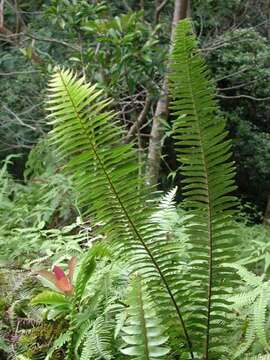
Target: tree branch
<point x="243" y="96"/>
<point x="137" y="124"/>
<point x="20" y="121"/>
<point x="159" y="8"/>
<point x="11" y="38"/>
<point x="11" y="73"/>
<point x="233" y="87"/>
<point x="128" y="8"/>
<point x="51" y="40"/>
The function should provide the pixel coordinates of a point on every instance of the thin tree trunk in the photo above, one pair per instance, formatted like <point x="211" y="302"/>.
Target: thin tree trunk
<point x="266" y="217"/>
<point x="140" y="120"/>
<point x="2" y="14"/>
<point x="161" y="112"/>
<point x="268" y="18"/>
<point x="158" y="8"/>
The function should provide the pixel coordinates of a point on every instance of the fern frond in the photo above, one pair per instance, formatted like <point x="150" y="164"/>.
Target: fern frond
<point x="105" y="174"/>
<point x="87" y="268"/>
<point x="255" y="299"/>
<point x="245" y="298"/>
<point x="58" y="344"/>
<point x="260" y="308"/>
<point x="204" y="154"/>
<point x="143" y="332"/>
<point x="250" y="278"/>
<point x="98" y="344"/>
<point x="259" y="357"/>
<point x="120" y="318"/>
<point x="166" y="215"/>
<point x="81" y="336"/>
<point x="168" y="200"/>
<point x="244" y="347"/>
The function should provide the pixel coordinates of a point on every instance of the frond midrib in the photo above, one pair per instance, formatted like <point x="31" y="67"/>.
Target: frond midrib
<point x="209" y="211"/>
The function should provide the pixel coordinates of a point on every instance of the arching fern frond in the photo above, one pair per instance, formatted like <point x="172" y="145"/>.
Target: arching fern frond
<point x="168" y="200"/>
<point x="250" y="337"/>
<point x="259" y="357"/>
<point x="254" y="298"/>
<point x="105" y="174"/>
<point x="87" y="268"/>
<point x="98" y="343"/>
<point x="166" y="214"/>
<point x="143" y="332"/>
<point x="58" y="343"/>
<point x="204" y="154"/>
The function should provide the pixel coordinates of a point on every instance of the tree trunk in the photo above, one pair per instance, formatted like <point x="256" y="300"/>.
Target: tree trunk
<point x="161" y="112"/>
<point x="268" y="18"/>
<point x="266" y="217"/>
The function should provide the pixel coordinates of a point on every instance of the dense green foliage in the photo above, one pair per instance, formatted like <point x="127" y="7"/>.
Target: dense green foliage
<point x="122" y="46"/>
<point x="94" y="262"/>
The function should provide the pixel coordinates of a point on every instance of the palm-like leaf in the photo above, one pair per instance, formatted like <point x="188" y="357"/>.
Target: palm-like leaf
<point x="105" y="174"/>
<point x="208" y="180"/>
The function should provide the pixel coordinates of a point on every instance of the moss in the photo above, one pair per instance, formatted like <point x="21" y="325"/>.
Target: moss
<point x="2" y="305"/>
<point x="38" y="340"/>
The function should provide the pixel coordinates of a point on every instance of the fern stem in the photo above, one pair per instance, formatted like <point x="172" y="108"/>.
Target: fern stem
<point x="131" y="223"/>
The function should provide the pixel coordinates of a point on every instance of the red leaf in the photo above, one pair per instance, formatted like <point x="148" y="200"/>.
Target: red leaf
<point x="47" y="275"/>
<point x="71" y="267"/>
<point x="64" y="285"/>
<point x="59" y="273"/>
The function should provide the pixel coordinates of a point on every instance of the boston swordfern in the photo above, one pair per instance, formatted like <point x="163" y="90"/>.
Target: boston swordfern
<point x="192" y="305"/>
<point x="104" y="172"/>
<point x="208" y="174"/>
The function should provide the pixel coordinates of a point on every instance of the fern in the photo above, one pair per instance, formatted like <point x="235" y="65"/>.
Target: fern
<point x="98" y="344"/>
<point x="143" y="332"/>
<point x="58" y="344"/>
<point x="204" y="154"/>
<point x="76" y="327"/>
<point x="250" y="337"/>
<point x="255" y="299"/>
<point x="5" y="178"/>
<point x="259" y="357"/>
<point x="104" y="172"/>
<point x="87" y="268"/>
<point x="166" y="215"/>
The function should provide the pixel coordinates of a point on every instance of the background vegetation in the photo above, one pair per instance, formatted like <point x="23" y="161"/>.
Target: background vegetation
<point x="123" y="47"/>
